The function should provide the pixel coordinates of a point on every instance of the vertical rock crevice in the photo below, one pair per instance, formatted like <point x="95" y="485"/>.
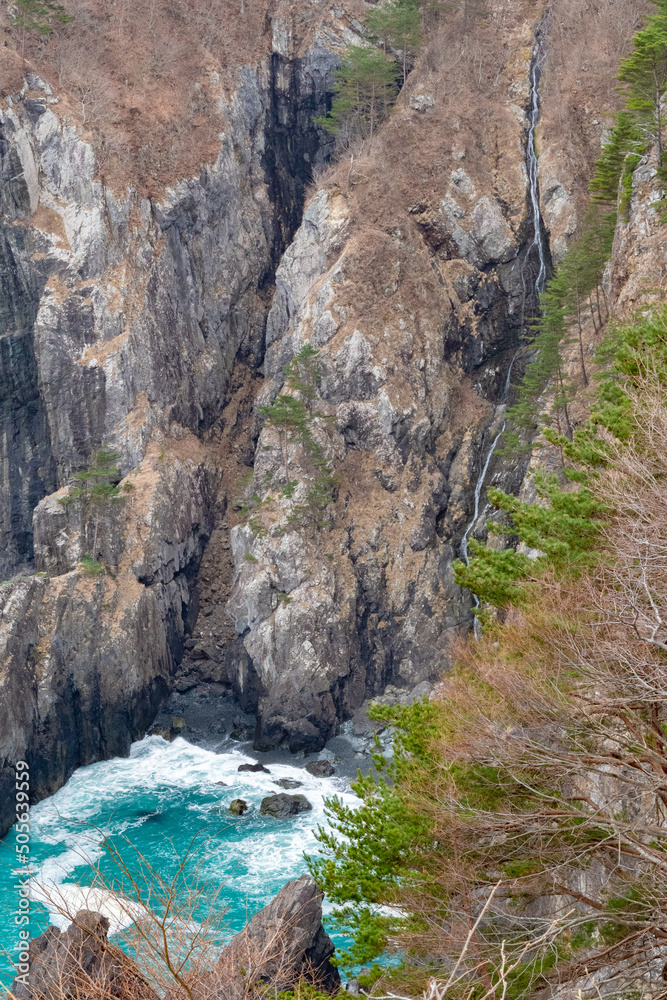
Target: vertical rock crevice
<point x="124" y="322"/>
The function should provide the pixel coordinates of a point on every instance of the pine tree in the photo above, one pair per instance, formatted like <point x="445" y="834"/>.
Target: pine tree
<point x="289" y="417"/>
<point x="295" y="419"/>
<point x="364" y="90"/>
<point x="303" y="374"/>
<point x="398" y="25"/>
<point x="38" y="16"/>
<point x="644" y="76"/>
<point x="623" y="140"/>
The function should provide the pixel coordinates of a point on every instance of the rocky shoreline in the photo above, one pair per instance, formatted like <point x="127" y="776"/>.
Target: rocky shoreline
<point x="283" y="944"/>
<point x="209" y="715"/>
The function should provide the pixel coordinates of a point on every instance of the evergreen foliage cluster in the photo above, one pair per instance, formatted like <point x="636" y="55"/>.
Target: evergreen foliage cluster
<point x="576" y="286"/>
<point x="40" y="16"/>
<point x="93" y="490"/>
<point x="643" y="82"/>
<point x="368" y="79"/>
<point x="294" y="416"/>
<point x="563" y="525"/>
<point x="98" y="483"/>
<point x="35" y="17"/>
<point x="379" y="837"/>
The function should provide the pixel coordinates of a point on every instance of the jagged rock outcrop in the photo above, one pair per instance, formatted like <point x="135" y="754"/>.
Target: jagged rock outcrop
<point x="328" y="617"/>
<point x="413" y="274"/>
<point x="282" y="944"/>
<point x="80" y="962"/>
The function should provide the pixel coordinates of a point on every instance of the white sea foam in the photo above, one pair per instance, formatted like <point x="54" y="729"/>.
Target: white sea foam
<point x="63" y="901"/>
<point x="253" y="854"/>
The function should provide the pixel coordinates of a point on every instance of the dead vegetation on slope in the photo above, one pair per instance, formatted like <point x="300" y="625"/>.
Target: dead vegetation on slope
<point x="144" y="79"/>
<point x="474" y="75"/>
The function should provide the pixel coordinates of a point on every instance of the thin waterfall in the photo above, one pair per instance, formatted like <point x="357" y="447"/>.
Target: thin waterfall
<point x="537" y="246"/>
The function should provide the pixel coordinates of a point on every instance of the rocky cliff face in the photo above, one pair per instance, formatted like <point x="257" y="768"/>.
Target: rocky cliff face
<point x="158" y="327"/>
<point x="123" y="319"/>
<point x="412" y="393"/>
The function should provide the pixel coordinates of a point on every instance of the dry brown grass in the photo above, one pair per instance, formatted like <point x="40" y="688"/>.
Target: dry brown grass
<point x="585" y="45"/>
<point x="560" y="713"/>
<point x="477" y="78"/>
<point x="143" y="78"/>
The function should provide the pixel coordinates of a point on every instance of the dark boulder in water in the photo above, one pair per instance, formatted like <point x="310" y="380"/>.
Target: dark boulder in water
<point x="281" y="805"/>
<point x="254" y="767"/>
<point x="287" y="783"/>
<point x="320" y="768"/>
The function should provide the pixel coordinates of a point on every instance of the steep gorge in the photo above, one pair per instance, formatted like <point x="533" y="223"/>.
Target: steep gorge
<point x="125" y="318"/>
<point x="145" y="325"/>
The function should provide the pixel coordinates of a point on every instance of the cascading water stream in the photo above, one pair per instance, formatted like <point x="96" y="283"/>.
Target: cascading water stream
<point x="478" y="491"/>
<point x="538" y="246"/>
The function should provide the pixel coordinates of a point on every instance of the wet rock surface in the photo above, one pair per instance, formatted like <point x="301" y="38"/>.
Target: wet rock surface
<point x="282" y="805"/>
<point x="209" y="711"/>
<point x="287" y="783"/>
<point x="320" y="768"/>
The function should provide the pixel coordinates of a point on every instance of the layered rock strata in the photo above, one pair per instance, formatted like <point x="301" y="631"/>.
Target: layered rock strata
<point x="157" y="328"/>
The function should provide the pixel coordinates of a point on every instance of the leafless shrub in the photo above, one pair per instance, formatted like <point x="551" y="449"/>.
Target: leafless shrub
<point x="174" y="938"/>
<point x="548" y="792"/>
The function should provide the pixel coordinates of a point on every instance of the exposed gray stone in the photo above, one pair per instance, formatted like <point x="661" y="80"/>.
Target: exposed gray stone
<point x="61" y="961"/>
<point x="281" y="806"/>
<point x="121" y="321"/>
<point x="320" y="768"/>
<point x="283" y="943"/>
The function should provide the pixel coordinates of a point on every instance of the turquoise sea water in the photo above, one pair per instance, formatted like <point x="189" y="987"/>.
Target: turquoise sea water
<point x="156" y="801"/>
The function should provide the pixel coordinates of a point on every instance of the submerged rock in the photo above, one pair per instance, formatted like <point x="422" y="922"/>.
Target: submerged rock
<point x="238" y="807"/>
<point x="162" y="731"/>
<point x="281" y="805"/>
<point x="320" y="768"/>
<point x="287" y="783"/>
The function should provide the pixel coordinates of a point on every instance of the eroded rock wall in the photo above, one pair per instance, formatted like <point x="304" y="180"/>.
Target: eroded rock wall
<point x="159" y="327"/>
<point x="123" y="320"/>
<point x="411" y="393"/>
